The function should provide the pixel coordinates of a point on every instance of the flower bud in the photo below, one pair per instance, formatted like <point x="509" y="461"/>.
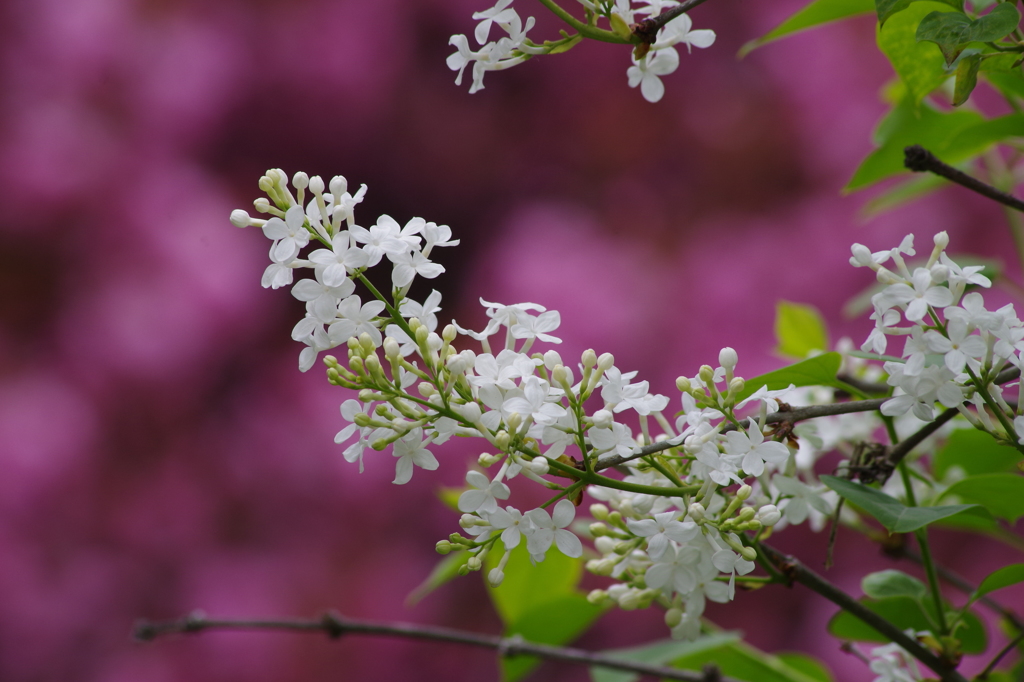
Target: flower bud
<point x="443" y="547"/>
<point x="749" y="553"/>
<point x="941" y="240"/>
<point x="449" y="333"/>
<point x="558" y="374"/>
<point x="603" y="419"/>
<point x="414" y="324"/>
<point x="421" y="335"/>
<point x="487" y="460"/>
<point x="605" y="362"/>
<point x="514" y="421"/>
<point x="240" y="218"/>
<point x="262" y="205"/>
<point x="589" y="358"/>
<point x="330" y="361"/>
<point x="300" y="180"/>
<point x="392" y="351"/>
<point x="746" y="514"/>
<point x="552" y="358"/>
<point x="339" y="185"/>
<point x="728" y="358"/>
<point x="501" y="440"/>
<point x="599" y="511"/>
<point x="769" y="515"/>
<point x="696" y="511"/>
<point x="495" y="577"/>
<point x="598" y="529"/>
<point x="426" y="390"/>
<point x="744" y="492"/>
<point x="861" y="256"/>
<point x="736" y="385"/>
<point x="673" y="617"/>
<point x="539" y="466"/>
<point x="316" y="185"/>
<point x="707" y="375"/>
<point x="623" y="546"/>
<point x="683" y="384"/>
<point x="470" y="412"/>
<point x="940" y="273"/>
<point x="474" y="563"/>
<point x="630" y="601"/>
<point x="366" y="341"/>
<point x="604" y="544"/>
<point x="266" y="183"/>
<point x="597" y="597"/>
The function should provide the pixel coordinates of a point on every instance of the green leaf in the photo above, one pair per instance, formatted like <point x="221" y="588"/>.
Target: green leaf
<point x="997" y="580"/>
<point x="815" y="14"/>
<point x="556" y="622"/>
<point x="890" y="512"/>
<point x="1009" y="83"/>
<point x="892" y="583"/>
<point x="817" y="371"/>
<point x="743" y="662"/>
<point x="917" y="186"/>
<point x="975" y="452"/>
<point x="952" y="31"/>
<point x="982" y="134"/>
<point x="966" y="79"/>
<point x="887" y="8"/>
<point x="809" y="666"/>
<point x="918" y="65"/>
<point x="660" y="653"/>
<point x="799" y="329"/>
<point x="1001" y="494"/>
<point x="905" y="613"/>
<point x="446" y="569"/>
<point x="908" y="124"/>
<point x="539" y="602"/>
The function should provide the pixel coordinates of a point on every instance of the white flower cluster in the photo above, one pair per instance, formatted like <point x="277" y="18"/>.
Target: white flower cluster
<point x="660" y="58"/>
<point x="893" y="664"/>
<point x="671" y="530"/>
<point x="951" y="358"/>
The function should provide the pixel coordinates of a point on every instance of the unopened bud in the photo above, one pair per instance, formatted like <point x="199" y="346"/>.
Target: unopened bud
<point x="495" y="577"/>
<point x="599" y="511"/>
<point x="339" y="185"/>
<point x="449" y="333"/>
<point x="605" y="362"/>
<point x="366" y="341"/>
<point x="630" y="601"/>
<point x="707" y="375"/>
<point x="673" y="617"/>
<point x="769" y="515"/>
<point x="736" y="385"/>
<point x="558" y="374"/>
<point x="589" y="358"/>
<point x="683" y="384"/>
<point x="426" y="390"/>
<point x="443" y="547"/>
<point x="501" y="440"/>
<point x="744" y="492"/>
<point x="603" y="419"/>
<point x="514" y="421"/>
<point x="746" y="514"/>
<point x="540" y="466"/>
<point x="474" y="563"/>
<point x="604" y="544"/>
<point x="728" y="358"/>
<point x="598" y="529"/>
<point x="392" y="351"/>
<point x="749" y="553"/>
<point x="316" y="185"/>
<point x="421" y="335"/>
<point x="597" y="597"/>
<point x="470" y="412"/>
<point x="262" y="205"/>
<point x="696" y="511"/>
<point x="487" y="460"/>
<point x="300" y="180"/>
<point x="240" y="218"/>
<point x="941" y="240"/>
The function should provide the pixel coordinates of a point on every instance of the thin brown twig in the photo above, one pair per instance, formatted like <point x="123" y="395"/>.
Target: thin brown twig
<point x="919" y="159"/>
<point x="795" y="571"/>
<point x="335" y="625"/>
<point x="648" y="29"/>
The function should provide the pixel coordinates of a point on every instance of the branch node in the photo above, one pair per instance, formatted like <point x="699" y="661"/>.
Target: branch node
<point x="510" y="646"/>
<point x="711" y="673"/>
<point x="333" y="624"/>
<point x="918" y="159"/>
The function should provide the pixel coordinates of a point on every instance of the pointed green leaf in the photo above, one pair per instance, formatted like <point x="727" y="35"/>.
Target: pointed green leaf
<point x="979" y="136"/>
<point x="908" y="124"/>
<point x="887" y="8"/>
<point x="815" y="14"/>
<point x="799" y="329"/>
<point x="892" y="583"/>
<point x="1001" y="494"/>
<point x="447" y="569"/>
<point x="952" y="31"/>
<point x="906" y="614"/>
<point x="660" y="653"/>
<point x="890" y="512"/>
<point x="817" y="371"/>
<point x="997" y="580"/>
<point x="975" y="452"/>
<point x="919" y="185"/>
<point x="919" y="66"/>
<point x="744" y="662"/>
<point x="966" y="79"/>
<point x="808" y="665"/>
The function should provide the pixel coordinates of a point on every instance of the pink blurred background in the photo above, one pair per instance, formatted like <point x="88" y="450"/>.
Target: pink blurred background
<point x="159" y="450"/>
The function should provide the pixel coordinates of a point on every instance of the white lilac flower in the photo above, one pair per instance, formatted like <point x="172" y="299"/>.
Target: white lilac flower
<point x="410" y="451"/>
<point x="935" y="383"/>
<point x="340" y="260"/>
<point x="960" y="277"/>
<point x="410" y="264"/>
<point x="617" y="440"/>
<point x="533" y="403"/>
<point x="960" y="348"/>
<point x="483" y="494"/>
<point x="662" y="528"/>
<point x="530" y="327"/>
<point x="437" y="235"/>
<point x="510" y="521"/>
<point x="917" y="298"/>
<point x="316" y="342"/>
<point x="552" y="529"/>
<point x="647" y="71"/>
<point x="501" y="12"/>
<point x="675" y="569"/>
<point x="803" y="498"/>
<point x="893" y="664"/>
<point x="750" y="450"/>
<point x="289" y="235"/>
<point x="356" y="319"/>
<point x="885" y="323"/>
<point x="322" y="300"/>
<point x="678" y="31"/>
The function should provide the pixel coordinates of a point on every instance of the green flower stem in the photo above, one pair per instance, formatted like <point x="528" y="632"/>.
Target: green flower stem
<point x="664" y="470"/>
<point x="926" y="555"/>
<point x="982" y="388"/>
<point x="603" y="481"/>
<point x="585" y="30"/>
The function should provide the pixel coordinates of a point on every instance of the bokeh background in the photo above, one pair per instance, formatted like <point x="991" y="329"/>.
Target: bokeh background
<point x="159" y="450"/>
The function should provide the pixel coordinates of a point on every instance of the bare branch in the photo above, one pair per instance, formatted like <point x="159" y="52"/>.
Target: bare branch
<point x="335" y="625"/>
<point x="794" y="570"/>
<point x="919" y="159"/>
